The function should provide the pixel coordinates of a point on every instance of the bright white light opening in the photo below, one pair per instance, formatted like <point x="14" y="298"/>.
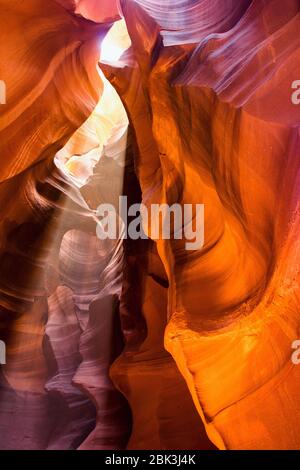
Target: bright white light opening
<point x="115" y="43"/>
<point x="104" y="132"/>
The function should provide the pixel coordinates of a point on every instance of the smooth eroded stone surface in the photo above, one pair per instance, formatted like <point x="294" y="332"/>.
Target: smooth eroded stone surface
<point x="218" y="110"/>
<point x="53" y="267"/>
<point x="145" y="344"/>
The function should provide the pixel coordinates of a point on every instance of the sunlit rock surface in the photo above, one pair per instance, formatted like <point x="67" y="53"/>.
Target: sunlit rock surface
<point x="224" y="132"/>
<point x="142" y="344"/>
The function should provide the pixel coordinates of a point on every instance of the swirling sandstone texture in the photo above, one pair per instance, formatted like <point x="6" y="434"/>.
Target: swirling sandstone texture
<point x="143" y="344"/>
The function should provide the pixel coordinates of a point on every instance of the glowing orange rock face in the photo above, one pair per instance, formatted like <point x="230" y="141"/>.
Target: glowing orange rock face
<point x="208" y="333"/>
<point x="223" y="141"/>
<point x="46" y="52"/>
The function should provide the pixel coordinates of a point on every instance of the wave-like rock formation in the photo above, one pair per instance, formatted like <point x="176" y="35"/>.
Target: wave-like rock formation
<point x="224" y="133"/>
<point x="143" y="344"/>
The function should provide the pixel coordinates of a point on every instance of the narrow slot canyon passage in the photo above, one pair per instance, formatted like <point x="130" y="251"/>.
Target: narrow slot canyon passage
<point x="55" y="385"/>
<point x="113" y="335"/>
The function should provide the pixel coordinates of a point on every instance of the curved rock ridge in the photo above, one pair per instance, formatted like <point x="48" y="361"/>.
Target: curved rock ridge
<point x="60" y="272"/>
<point x="48" y="62"/>
<point x="244" y="64"/>
<point x="77" y="415"/>
<point x="219" y="117"/>
<point x="84" y="344"/>
<point x="190" y="21"/>
<point x="166" y="417"/>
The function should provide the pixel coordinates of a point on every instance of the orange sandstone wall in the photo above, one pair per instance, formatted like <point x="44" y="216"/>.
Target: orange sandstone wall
<point x="143" y="344"/>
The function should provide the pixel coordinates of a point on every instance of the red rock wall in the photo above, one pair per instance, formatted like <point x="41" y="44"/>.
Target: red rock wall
<point x="146" y="345"/>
